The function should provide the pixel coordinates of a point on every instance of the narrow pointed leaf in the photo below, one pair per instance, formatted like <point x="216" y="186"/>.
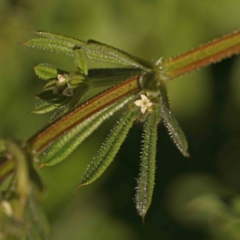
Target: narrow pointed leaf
<point x="44" y="107"/>
<point x="94" y="50"/>
<point x="101" y="52"/>
<point x="60" y="38"/>
<point x="51" y="44"/>
<point x="172" y="125"/>
<point x="81" y="60"/>
<point x="76" y="80"/>
<point x="109" y="149"/>
<point x="145" y="182"/>
<point x="66" y="144"/>
<point x="98" y="51"/>
<point x="50" y="85"/>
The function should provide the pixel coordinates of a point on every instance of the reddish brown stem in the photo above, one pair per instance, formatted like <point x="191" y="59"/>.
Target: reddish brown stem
<point x="54" y="130"/>
<point x="203" y="56"/>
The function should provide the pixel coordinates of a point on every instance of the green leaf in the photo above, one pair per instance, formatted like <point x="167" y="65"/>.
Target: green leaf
<point x="145" y="182"/>
<point x="81" y="60"/>
<point x="177" y="135"/>
<point x="109" y="149"/>
<point x="46" y="71"/>
<point x="60" y="38"/>
<point x="104" y="53"/>
<point x="66" y="144"/>
<point x="50" y="97"/>
<point x="44" y="107"/>
<point x="97" y="51"/>
<point x="76" y="80"/>
<point x="51" y="44"/>
<point x="50" y="85"/>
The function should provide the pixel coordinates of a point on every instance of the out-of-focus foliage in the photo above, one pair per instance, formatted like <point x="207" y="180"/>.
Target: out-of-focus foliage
<point x="203" y="202"/>
<point x="20" y="215"/>
<point x="206" y="103"/>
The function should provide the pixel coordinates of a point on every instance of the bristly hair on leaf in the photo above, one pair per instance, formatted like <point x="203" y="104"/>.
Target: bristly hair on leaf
<point x="146" y="180"/>
<point x="109" y="149"/>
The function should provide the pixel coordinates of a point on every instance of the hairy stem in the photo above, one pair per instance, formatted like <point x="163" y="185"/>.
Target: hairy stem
<point x="174" y="67"/>
<point x="54" y="130"/>
<point x="202" y="56"/>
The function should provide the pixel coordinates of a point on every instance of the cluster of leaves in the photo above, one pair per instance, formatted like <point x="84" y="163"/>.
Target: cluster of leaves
<point x="20" y="215"/>
<point x="64" y="91"/>
<point x="136" y="85"/>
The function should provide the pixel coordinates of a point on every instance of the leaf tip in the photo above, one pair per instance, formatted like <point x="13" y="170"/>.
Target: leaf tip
<point x="33" y="31"/>
<point x="186" y="154"/>
<point x="143" y="219"/>
<point x="41" y="166"/>
<point x="80" y="185"/>
<point x="22" y="43"/>
<point x="36" y="96"/>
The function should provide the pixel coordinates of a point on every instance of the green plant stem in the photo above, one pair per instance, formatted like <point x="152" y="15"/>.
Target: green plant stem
<point x="202" y="56"/>
<point x="207" y="54"/>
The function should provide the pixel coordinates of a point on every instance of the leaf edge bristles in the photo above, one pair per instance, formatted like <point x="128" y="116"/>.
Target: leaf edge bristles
<point x="146" y="179"/>
<point x="109" y="149"/>
<point x="66" y="144"/>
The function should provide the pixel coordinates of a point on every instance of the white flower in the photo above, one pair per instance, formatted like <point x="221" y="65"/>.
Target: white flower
<point x="61" y="79"/>
<point x="144" y="103"/>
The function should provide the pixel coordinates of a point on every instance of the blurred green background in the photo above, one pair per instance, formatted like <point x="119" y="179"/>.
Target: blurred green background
<point x="206" y="103"/>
